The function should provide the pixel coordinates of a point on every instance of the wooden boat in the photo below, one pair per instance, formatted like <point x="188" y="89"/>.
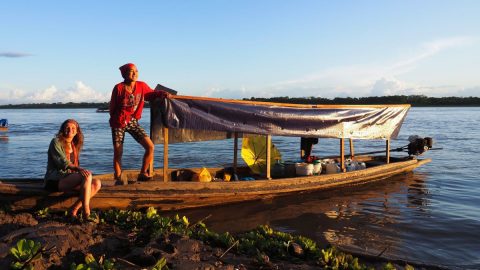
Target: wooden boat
<point x="173" y="195"/>
<point x="189" y="119"/>
<point x="103" y="109"/>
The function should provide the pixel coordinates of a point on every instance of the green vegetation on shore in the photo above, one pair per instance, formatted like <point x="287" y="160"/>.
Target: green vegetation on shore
<point x="58" y="105"/>
<point x="157" y="238"/>
<point x="414" y="100"/>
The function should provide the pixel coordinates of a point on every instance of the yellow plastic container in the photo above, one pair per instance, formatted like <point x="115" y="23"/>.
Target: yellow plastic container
<point x="203" y="176"/>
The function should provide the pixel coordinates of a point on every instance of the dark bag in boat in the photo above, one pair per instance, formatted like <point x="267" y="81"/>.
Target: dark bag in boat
<point x="182" y="175"/>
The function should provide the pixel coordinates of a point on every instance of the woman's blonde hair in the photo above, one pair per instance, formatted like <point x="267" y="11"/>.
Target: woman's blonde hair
<point x="77" y="140"/>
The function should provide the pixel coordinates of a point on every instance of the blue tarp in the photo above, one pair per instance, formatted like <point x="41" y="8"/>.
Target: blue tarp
<point x="3" y="122"/>
<point x="214" y="116"/>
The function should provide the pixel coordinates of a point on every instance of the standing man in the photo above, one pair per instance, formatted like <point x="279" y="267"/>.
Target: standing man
<point x="126" y="106"/>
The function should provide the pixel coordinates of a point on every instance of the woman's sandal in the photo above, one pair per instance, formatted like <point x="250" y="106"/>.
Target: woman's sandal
<point x="73" y="219"/>
<point x="120" y="180"/>
<point x="144" y="178"/>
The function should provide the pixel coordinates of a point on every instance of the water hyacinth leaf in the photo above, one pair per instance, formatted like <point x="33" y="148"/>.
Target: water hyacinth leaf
<point x="160" y="265"/>
<point x="89" y="259"/>
<point x="409" y="267"/>
<point x="151" y="212"/>
<point x="43" y="213"/>
<point x="36" y="247"/>
<point x="81" y="266"/>
<point x="26" y="250"/>
<point x="389" y="266"/>
<point x="16" y="253"/>
<point x="16" y="265"/>
<point x="108" y="265"/>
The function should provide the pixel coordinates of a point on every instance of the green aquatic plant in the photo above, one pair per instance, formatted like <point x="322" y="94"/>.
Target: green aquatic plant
<point x="151" y="212"/>
<point x="25" y="253"/>
<point x="334" y="259"/>
<point x="263" y="240"/>
<point x="277" y="244"/>
<point x="92" y="264"/>
<point x="161" y="265"/>
<point x="202" y="233"/>
<point x="43" y="213"/>
<point x="126" y="219"/>
<point x="389" y="266"/>
<point x="308" y="245"/>
<point x="147" y="225"/>
<point x="262" y="259"/>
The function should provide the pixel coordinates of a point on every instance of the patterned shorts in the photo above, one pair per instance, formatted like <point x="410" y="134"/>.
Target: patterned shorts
<point x="137" y="132"/>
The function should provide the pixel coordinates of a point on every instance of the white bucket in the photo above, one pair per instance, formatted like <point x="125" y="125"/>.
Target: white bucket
<point x="317" y="168"/>
<point x="303" y="169"/>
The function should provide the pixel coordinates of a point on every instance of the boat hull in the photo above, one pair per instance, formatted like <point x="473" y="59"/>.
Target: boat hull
<point x="28" y="194"/>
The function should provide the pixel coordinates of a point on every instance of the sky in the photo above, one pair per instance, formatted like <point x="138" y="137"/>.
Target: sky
<point x="70" y="51"/>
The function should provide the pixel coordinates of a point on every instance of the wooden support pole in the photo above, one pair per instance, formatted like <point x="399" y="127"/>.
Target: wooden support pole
<point x="268" y="155"/>
<point x="342" y="154"/>
<point x="150" y="168"/>
<point x="387" y="146"/>
<point x="165" y="155"/>
<point x="235" y="152"/>
<point x="352" y="152"/>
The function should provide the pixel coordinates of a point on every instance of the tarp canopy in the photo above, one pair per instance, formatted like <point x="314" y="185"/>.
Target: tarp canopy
<point x="219" y="118"/>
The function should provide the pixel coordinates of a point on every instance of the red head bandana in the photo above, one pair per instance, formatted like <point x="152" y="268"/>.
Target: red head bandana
<point x="126" y="67"/>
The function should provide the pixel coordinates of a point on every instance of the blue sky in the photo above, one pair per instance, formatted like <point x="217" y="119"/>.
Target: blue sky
<point x="61" y="51"/>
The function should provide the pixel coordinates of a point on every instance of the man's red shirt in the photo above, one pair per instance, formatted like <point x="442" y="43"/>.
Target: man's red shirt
<point x="124" y="106"/>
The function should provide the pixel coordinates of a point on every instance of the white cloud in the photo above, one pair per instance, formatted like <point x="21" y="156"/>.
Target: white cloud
<point x="13" y="93"/>
<point x="344" y="77"/>
<point x="275" y="92"/>
<point x="430" y="49"/>
<point x="392" y="86"/>
<point x="47" y="95"/>
<point x="79" y="93"/>
<point x="363" y="80"/>
<point x="84" y="93"/>
<point x="338" y="81"/>
<point x="226" y="93"/>
<point x="469" y="92"/>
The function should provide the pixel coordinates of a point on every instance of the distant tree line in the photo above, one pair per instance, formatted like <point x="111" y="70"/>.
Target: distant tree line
<point x="414" y="100"/>
<point x="57" y="105"/>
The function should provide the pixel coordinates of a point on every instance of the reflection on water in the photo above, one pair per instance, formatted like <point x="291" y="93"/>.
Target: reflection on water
<point x="332" y="216"/>
<point x="380" y="217"/>
<point x="3" y="138"/>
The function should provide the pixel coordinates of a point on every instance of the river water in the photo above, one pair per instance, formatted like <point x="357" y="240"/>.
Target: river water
<point x="430" y="216"/>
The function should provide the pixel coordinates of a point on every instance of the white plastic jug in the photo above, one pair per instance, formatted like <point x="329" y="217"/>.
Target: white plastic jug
<point x="317" y="168"/>
<point x="303" y="169"/>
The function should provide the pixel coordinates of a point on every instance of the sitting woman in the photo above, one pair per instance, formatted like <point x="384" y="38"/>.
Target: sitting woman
<point x="63" y="170"/>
